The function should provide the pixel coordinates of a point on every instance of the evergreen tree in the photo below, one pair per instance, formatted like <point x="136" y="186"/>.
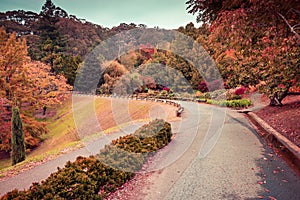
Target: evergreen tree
<point x="17" y="140"/>
<point x="52" y="46"/>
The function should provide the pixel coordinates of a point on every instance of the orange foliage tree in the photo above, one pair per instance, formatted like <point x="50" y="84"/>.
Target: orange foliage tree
<point x="28" y="85"/>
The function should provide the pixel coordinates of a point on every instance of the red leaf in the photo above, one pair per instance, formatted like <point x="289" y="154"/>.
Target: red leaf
<point x="272" y="198"/>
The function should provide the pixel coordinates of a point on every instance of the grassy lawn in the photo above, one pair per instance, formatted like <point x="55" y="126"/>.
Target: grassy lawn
<point x="63" y="136"/>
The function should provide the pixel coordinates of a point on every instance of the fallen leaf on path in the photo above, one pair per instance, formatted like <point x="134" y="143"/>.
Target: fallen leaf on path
<point x="272" y="198"/>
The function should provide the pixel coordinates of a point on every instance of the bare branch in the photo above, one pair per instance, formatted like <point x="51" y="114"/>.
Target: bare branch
<point x="296" y="11"/>
<point x="288" y="24"/>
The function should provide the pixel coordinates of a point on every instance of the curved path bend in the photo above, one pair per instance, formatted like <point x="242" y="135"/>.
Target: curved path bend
<point x="239" y="166"/>
<point x="233" y="163"/>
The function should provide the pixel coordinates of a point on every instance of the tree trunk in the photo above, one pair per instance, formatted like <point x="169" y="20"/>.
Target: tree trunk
<point x="276" y="99"/>
<point x="44" y="110"/>
<point x="17" y="139"/>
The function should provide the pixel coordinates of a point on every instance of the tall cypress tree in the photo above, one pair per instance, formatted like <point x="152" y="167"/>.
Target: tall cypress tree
<point x="17" y="139"/>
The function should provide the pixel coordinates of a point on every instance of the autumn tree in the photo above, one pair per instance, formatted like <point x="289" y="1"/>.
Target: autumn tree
<point x="27" y="85"/>
<point x="254" y="42"/>
<point x="17" y="139"/>
<point x="46" y="88"/>
<point x="189" y="30"/>
<point x="24" y="81"/>
<point x="113" y="71"/>
<point x="130" y="60"/>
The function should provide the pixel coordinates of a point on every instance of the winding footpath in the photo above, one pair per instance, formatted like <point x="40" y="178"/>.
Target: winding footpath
<point x="215" y="154"/>
<point x="240" y="165"/>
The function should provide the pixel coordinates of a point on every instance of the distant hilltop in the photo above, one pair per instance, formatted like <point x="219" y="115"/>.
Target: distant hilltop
<point x="80" y="34"/>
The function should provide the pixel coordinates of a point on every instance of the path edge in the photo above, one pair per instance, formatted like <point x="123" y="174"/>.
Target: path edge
<point x="280" y="142"/>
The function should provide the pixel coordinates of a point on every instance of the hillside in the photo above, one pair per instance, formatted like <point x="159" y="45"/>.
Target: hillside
<point x="79" y="34"/>
<point x="57" y="38"/>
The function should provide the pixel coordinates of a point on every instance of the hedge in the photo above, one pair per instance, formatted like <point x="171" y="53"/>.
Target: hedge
<point x="129" y="153"/>
<point x="97" y="176"/>
<point x="231" y="103"/>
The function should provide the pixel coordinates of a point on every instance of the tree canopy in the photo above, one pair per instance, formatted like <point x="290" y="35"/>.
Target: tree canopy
<point x="254" y="42"/>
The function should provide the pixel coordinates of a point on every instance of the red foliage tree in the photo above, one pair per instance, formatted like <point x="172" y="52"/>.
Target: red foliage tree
<point x="254" y="42"/>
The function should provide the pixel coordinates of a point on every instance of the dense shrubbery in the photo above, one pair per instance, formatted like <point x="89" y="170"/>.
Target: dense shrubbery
<point x="148" y="138"/>
<point x="90" y="178"/>
<point x="82" y="179"/>
<point x="231" y="103"/>
<point x="128" y="153"/>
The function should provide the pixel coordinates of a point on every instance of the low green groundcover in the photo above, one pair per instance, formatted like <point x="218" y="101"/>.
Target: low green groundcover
<point x="241" y="103"/>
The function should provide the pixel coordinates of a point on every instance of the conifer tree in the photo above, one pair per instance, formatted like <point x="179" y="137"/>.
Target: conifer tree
<point x="17" y="140"/>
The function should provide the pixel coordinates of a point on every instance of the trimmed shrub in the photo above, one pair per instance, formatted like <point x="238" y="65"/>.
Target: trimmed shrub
<point x="231" y="103"/>
<point x="240" y="90"/>
<point x="129" y="153"/>
<point x="205" y="96"/>
<point x="202" y="86"/>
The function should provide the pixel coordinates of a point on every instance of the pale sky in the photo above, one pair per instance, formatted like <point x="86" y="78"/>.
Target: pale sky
<point x="169" y="14"/>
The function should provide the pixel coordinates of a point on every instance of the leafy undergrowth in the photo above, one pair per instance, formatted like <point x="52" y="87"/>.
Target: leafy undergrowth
<point x="92" y="178"/>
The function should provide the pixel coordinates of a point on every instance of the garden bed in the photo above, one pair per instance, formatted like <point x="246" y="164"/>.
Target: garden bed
<point x="284" y="119"/>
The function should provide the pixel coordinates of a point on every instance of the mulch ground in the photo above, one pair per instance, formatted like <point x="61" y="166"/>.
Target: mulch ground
<point x="284" y="119"/>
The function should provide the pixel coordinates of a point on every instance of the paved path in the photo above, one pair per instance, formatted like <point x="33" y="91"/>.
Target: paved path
<point x="239" y="166"/>
<point x="215" y="154"/>
<point x="41" y="172"/>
